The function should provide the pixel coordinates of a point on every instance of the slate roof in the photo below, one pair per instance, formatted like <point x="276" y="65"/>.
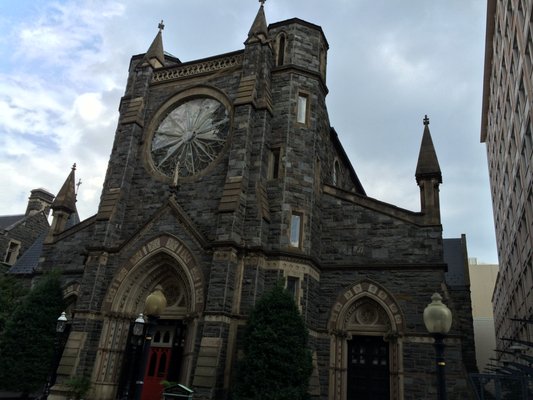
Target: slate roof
<point x="7" y="222"/>
<point x="454" y="256"/>
<point x="27" y="263"/>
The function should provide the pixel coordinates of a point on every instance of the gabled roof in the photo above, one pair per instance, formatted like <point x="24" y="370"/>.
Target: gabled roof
<point x="353" y="175"/>
<point x="27" y="263"/>
<point x="8" y="222"/>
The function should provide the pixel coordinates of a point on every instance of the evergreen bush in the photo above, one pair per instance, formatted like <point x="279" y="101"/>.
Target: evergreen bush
<point x="27" y="345"/>
<point x="277" y="363"/>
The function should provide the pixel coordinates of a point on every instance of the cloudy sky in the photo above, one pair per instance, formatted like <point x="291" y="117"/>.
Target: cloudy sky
<point x="64" y="68"/>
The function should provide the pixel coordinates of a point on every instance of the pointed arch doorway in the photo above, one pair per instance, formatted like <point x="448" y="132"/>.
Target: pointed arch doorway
<point x="366" y="348"/>
<point x="167" y="262"/>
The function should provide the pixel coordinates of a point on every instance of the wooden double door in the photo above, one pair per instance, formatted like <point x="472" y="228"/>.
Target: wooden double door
<point x="368" y="368"/>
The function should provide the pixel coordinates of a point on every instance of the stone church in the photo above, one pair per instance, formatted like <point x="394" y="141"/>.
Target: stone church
<point x="225" y="177"/>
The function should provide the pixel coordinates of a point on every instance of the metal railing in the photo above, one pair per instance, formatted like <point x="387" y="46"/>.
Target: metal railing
<point x="502" y="386"/>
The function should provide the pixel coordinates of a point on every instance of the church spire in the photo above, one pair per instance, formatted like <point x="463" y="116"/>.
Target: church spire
<point x="428" y="164"/>
<point x="64" y="207"/>
<point x="155" y="55"/>
<point x="259" y="31"/>
<point x="66" y="198"/>
<point x="428" y="177"/>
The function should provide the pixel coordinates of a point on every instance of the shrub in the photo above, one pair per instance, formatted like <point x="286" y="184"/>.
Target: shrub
<point x="277" y="363"/>
<point x="27" y="345"/>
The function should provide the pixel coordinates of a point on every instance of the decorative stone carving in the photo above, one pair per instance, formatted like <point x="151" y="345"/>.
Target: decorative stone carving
<point x="198" y="68"/>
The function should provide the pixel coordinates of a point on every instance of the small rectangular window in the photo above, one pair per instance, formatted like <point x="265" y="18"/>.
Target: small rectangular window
<point x="302" y="109"/>
<point x="293" y="286"/>
<point x="12" y="252"/>
<point x="296" y="230"/>
<point x="273" y="163"/>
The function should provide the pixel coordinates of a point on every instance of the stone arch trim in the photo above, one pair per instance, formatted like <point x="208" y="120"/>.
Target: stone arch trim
<point x="373" y="290"/>
<point x="125" y="292"/>
<point x="161" y="260"/>
<point x="200" y="90"/>
<point x="341" y="331"/>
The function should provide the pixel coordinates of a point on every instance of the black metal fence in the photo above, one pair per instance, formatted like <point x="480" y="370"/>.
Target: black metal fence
<point x="502" y="386"/>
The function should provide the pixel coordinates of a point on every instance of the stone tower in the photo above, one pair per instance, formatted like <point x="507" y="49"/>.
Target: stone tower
<point x="225" y="178"/>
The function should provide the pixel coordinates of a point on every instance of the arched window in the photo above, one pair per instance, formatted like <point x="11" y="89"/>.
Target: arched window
<point x="281" y="50"/>
<point x="336" y="173"/>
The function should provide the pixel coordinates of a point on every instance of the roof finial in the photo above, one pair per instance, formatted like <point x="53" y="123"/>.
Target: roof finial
<point x="426" y="120"/>
<point x="74" y="167"/>
<point x="78" y="186"/>
<point x="161" y="26"/>
<point x="262" y="2"/>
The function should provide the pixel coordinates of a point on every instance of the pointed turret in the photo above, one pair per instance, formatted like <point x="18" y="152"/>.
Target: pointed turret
<point x="428" y="164"/>
<point x="259" y="31"/>
<point x="64" y="206"/>
<point x="155" y="55"/>
<point x="66" y="198"/>
<point x="428" y="177"/>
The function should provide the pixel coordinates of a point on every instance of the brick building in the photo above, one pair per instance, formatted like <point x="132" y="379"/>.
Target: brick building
<point x="226" y="177"/>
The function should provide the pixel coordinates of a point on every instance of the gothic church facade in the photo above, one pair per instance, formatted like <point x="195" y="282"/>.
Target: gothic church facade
<point x="225" y="177"/>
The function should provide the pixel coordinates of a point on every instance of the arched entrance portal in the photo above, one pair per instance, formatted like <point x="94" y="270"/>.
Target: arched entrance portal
<point x="366" y="328"/>
<point x="167" y="263"/>
<point x="368" y="368"/>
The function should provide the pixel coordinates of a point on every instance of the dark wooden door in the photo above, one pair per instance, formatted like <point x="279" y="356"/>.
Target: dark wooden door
<point x="368" y="368"/>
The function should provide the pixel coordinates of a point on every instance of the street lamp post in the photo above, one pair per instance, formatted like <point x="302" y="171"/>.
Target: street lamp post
<point x="61" y="326"/>
<point x="136" y="340"/>
<point x="153" y="307"/>
<point x="438" y="321"/>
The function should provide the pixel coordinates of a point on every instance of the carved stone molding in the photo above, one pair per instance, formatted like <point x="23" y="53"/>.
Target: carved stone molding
<point x="198" y="68"/>
<point x="365" y="308"/>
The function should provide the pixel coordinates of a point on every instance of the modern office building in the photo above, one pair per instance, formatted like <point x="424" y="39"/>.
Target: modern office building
<point x="506" y="129"/>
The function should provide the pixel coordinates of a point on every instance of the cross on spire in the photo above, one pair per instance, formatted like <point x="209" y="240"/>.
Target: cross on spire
<point x="161" y="26"/>
<point x="78" y="186"/>
<point x="262" y="2"/>
<point x="426" y="120"/>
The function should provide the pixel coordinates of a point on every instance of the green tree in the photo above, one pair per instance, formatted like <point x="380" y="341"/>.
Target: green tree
<point x="277" y="363"/>
<point x="11" y="292"/>
<point x="27" y="346"/>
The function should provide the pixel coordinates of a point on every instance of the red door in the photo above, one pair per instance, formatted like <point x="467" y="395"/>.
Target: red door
<point x="156" y="372"/>
<point x="158" y="364"/>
